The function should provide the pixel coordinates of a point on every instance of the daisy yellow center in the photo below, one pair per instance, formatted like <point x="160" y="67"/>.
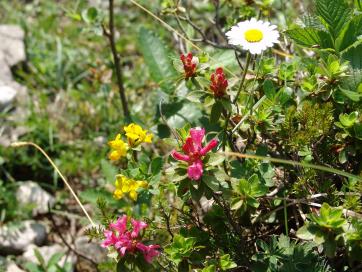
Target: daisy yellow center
<point x="253" y="35"/>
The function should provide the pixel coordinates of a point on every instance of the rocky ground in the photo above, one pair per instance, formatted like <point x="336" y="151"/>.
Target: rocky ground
<point x="45" y="238"/>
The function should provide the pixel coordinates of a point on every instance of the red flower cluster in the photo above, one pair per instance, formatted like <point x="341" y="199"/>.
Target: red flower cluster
<point x="194" y="151"/>
<point x="190" y="63"/>
<point x="219" y="83"/>
<point x="126" y="241"/>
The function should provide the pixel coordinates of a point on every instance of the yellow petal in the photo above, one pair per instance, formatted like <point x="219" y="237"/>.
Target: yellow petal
<point x="114" y="155"/>
<point x="133" y="195"/>
<point x="142" y="183"/>
<point x="148" y="138"/>
<point x="117" y="194"/>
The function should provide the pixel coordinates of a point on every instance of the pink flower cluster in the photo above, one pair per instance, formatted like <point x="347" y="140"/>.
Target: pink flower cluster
<point x="194" y="151"/>
<point x="190" y="64"/>
<point x="128" y="241"/>
<point x="219" y="83"/>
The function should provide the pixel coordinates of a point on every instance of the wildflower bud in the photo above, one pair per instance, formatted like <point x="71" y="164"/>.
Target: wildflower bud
<point x="219" y="83"/>
<point x="190" y="63"/>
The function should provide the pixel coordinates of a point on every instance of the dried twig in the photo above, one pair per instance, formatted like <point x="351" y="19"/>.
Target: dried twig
<point x="110" y="34"/>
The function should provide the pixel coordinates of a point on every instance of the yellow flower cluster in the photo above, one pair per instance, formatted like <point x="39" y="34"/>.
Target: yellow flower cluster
<point x="135" y="136"/>
<point x="126" y="185"/>
<point x="119" y="148"/>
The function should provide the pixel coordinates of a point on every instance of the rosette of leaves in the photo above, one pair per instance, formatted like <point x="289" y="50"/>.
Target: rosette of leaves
<point x="182" y="251"/>
<point x="327" y="229"/>
<point x="247" y="193"/>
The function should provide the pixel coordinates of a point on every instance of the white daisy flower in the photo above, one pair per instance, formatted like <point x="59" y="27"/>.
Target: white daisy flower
<point x="254" y="36"/>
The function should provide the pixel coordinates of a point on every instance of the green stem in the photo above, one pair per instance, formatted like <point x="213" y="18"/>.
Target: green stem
<point x="248" y="58"/>
<point x="285" y="216"/>
<point x="294" y="163"/>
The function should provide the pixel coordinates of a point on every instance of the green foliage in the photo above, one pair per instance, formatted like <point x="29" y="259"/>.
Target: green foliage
<point x="297" y="105"/>
<point x="51" y="266"/>
<point x="247" y="193"/>
<point x="182" y="248"/>
<point x="283" y="255"/>
<point x="326" y="229"/>
<point x="334" y="14"/>
<point x="300" y="125"/>
<point x="156" y="56"/>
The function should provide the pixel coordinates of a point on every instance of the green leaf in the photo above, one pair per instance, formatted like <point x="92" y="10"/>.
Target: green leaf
<point x="354" y="96"/>
<point x="358" y="131"/>
<point x="353" y="54"/>
<point x="90" y="15"/>
<point x="348" y="120"/>
<point x="335" y="13"/>
<point x="226" y="263"/>
<point x="109" y="171"/>
<point x="269" y="89"/>
<point x="39" y="257"/>
<point x="156" y="165"/>
<point x="210" y="268"/>
<point x="353" y="81"/>
<point x="55" y="258"/>
<point x="215" y="159"/>
<point x="211" y="182"/>
<point x="155" y="54"/>
<point x="216" y="111"/>
<point x="257" y="189"/>
<point x="304" y="233"/>
<point x="32" y="267"/>
<point x="236" y="204"/>
<point x="350" y="33"/>
<point x="310" y="37"/>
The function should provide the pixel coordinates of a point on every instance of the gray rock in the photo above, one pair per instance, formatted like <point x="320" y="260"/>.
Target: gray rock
<point x="91" y="250"/>
<point x="15" y="239"/>
<point x="9" y="266"/>
<point x="12" y="267"/>
<point x="7" y="96"/>
<point x="30" y="193"/>
<point x="12" y="44"/>
<point x="47" y="252"/>
<point x="5" y="72"/>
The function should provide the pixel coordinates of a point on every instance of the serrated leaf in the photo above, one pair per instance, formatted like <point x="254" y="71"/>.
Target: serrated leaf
<point x="350" y="33"/>
<point x="312" y="21"/>
<point x="353" y="54"/>
<point x="335" y="14"/>
<point x="353" y="81"/>
<point x="310" y="37"/>
<point x="155" y="54"/>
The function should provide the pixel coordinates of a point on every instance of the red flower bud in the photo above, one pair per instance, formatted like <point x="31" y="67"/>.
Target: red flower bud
<point x="190" y="64"/>
<point x="219" y="83"/>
